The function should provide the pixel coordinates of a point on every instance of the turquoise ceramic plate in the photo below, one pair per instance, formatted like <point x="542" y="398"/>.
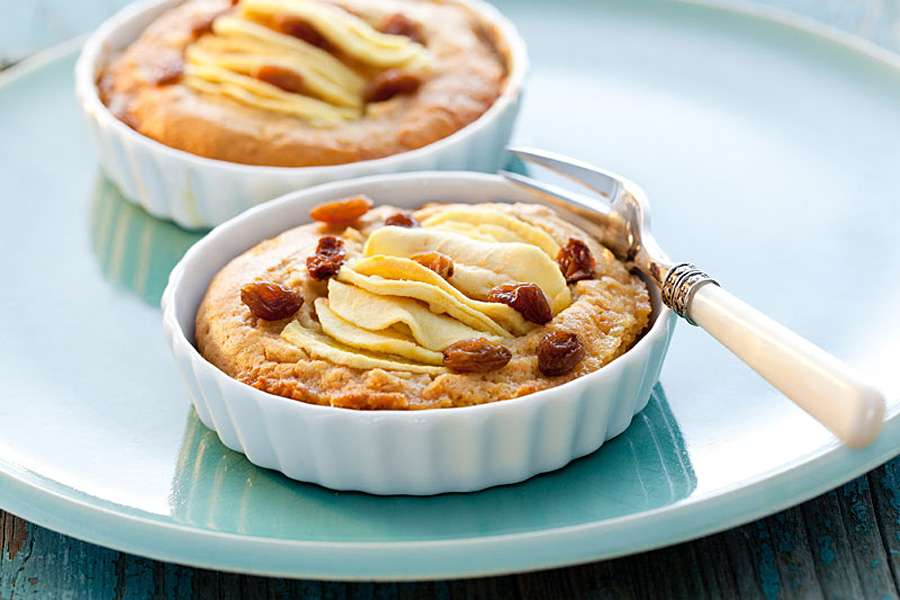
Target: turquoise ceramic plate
<point x="772" y="157"/>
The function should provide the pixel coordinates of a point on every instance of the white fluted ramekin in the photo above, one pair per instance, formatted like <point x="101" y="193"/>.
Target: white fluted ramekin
<point x="400" y="452"/>
<point x="198" y="192"/>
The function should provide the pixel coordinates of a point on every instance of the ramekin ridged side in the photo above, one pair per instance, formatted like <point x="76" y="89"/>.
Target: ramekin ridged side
<point x="198" y="192"/>
<point x="400" y="452"/>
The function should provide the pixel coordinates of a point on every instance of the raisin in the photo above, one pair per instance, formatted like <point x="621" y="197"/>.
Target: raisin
<point x="321" y="268"/>
<point x="559" y="352"/>
<point x="400" y="24"/>
<point x="341" y="212"/>
<point x="401" y="219"/>
<point x="204" y="24"/>
<point x="476" y="356"/>
<point x="280" y="77"/>
<point x="437" y="262"/>
<point x="270" y="301"/>
<point x="328" y="258"/>
<point x="390" y="83"/>
<point x="576" y="261"/>
<point x="526" y="298"/>
<point x="300" y="29"/>
<point x="330" y="246"/>
<point x="168" y="72"/>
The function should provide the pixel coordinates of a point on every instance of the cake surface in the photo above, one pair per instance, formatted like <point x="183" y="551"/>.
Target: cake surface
<point x="306" y="82"/>
<point x="377" y="329"/>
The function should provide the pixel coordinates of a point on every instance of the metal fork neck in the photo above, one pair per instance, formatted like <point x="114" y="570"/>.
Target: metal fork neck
<point x="681" y="283"/>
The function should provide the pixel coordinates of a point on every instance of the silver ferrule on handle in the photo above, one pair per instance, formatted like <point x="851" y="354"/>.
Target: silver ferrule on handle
<point x="678" y="288"/>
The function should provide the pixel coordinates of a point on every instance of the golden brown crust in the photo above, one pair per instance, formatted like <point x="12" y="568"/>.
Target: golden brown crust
<point x="468" y="77"/>
<point x="609" y="313"/>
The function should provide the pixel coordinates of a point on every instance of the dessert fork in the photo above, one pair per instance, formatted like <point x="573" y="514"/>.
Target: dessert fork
<point x="619" y="213"/>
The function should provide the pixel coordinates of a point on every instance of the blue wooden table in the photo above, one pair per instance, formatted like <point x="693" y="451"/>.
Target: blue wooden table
<point x="844" y="544"/>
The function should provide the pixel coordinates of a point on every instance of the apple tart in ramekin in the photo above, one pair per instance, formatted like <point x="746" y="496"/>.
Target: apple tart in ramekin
<point x="425" y="333"/>
<point x="203" y="108"/>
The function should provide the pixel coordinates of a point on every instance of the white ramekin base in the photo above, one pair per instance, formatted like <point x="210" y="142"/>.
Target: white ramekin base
<point x="197" y="192"/>
<point x="400" y="452"/>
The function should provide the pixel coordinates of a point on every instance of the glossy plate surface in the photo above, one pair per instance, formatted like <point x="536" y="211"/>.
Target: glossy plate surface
<point x="771" y="158"/>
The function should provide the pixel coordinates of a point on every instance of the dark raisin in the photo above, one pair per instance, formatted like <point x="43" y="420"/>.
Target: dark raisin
<point x="527" y="298"/>
<point x="280" y="77"/>
<point x="204" y="24"/>
<point x="390" y="83"/>
<point x="270" y="301"/>
<point x="167" y="72"/>
<point x="437" y="262"/>
<point x="327" y="260"/>
<point x="400" y="24"/>
<point x="341" y="212"/>
<point x="476" y="356"/>
<point x="302" y="30"/>
<point x="576" y="261"/>
<point x="401" y="219"/>
<point x="559" y="352"/>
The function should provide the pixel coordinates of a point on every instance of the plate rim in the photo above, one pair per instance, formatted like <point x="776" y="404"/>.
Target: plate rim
<point x="720" y="510"/>
<point x="33" y="497"/>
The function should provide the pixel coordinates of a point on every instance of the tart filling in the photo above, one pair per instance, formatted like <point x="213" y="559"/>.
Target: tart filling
<point x="386" y="301"/>
<point x="452" y="305"/>
<point x="306" y="82"/>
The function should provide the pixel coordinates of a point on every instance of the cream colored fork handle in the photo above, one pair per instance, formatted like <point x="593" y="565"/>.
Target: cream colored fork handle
<point x="825" y="387"/>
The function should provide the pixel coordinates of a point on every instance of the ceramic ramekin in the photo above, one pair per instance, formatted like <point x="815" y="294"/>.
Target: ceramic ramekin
<point x="400" y="452"/>
<point x="199" y="192"/>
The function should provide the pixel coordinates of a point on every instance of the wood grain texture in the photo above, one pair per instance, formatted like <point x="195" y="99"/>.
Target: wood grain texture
<point x="844" y="544"/>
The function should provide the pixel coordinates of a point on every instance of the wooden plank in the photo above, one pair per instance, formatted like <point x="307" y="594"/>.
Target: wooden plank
<point x="742" y="563"/>
<point x="866" y="546"/>
<point x="789" y="553"/>
<point x="715" y="566"/>
<point x="831" y="548"/>
<point x="172" y="581"/>
<point x="46" y="564"/>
